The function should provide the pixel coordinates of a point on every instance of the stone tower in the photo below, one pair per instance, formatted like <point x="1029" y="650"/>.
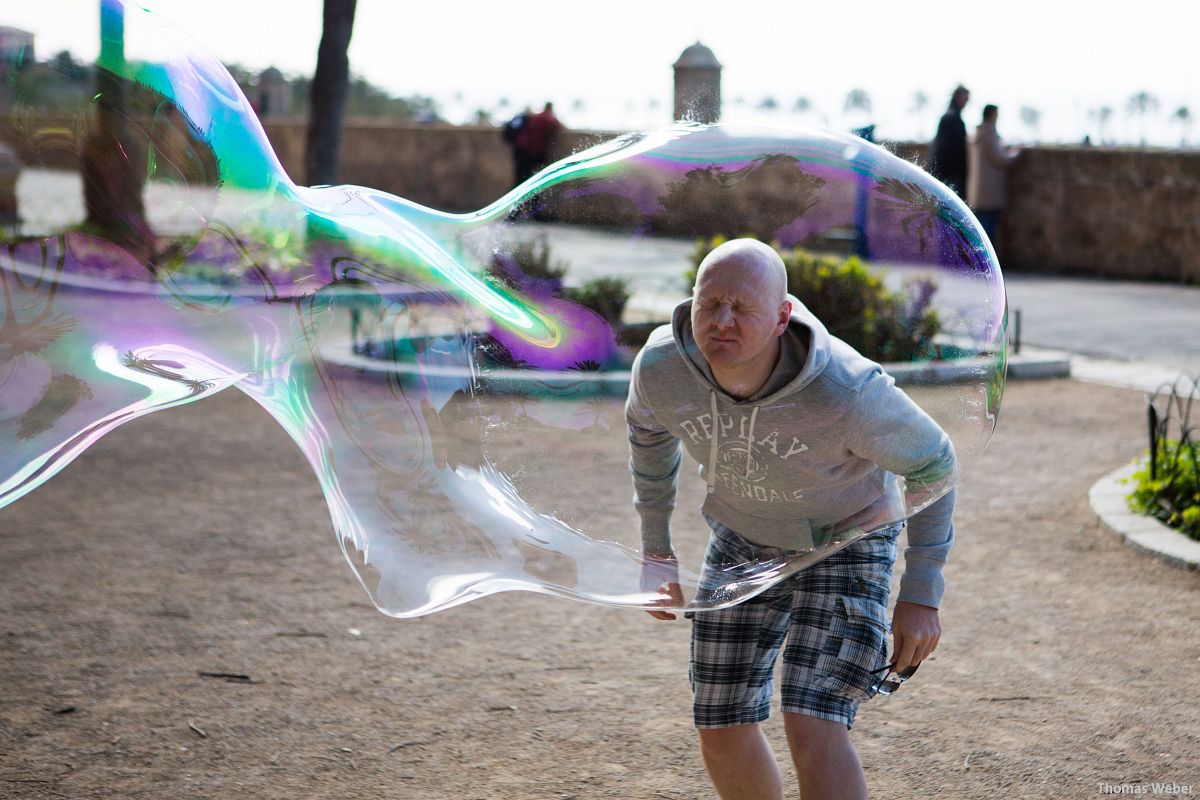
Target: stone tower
<point x="274" y="94"/>
<point x="698" y="85"/>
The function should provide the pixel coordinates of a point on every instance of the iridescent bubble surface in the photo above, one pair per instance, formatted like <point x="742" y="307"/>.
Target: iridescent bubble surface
<point x="448" y="388"/>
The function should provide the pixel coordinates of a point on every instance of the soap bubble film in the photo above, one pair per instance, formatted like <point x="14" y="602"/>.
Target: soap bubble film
<point x="449" y="377"/>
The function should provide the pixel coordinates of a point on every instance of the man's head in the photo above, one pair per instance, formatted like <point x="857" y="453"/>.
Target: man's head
<point x="990" y="112"/>
<point x="740" y="305"/>
<point x="959" y="99"/>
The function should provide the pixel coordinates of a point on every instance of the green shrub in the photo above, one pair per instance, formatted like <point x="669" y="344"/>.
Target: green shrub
<point x="854" y="303"/>
<point x="529" y="266"/>
<point x="606" y="296"/>
<point x="533" y="259"/>
<point x="1173" y="495"/>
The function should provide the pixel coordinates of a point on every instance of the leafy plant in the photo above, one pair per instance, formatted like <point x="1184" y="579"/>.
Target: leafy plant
<point x="1172" y="494"/>
<point x="855" y="304"/>
<point x="528" y="267"/>
<point x="606" y="296"/>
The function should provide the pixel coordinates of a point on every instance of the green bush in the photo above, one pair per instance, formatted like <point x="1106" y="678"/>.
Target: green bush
<point x="606" y="296"/>
<point x="1173" y="495"/>
<point x="533" y="259"/>
<point x="529" y="266"/>
<point x="854" y="303"/>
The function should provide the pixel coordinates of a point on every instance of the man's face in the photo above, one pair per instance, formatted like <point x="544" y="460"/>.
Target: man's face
<point x="736" y="315"/>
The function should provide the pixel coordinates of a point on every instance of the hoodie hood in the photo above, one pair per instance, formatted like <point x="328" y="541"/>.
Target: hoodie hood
<point x="802" y="322"/>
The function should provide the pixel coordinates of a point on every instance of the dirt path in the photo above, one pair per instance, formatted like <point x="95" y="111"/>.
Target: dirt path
<point x="197" y="541"/>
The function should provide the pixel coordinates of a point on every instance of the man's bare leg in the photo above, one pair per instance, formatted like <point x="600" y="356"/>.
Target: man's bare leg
<point x="826" y="763"/>
<point x="740" y="763"/>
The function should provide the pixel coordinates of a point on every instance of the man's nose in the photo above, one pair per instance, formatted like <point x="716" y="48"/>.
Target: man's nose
<point x="723" y="317"/>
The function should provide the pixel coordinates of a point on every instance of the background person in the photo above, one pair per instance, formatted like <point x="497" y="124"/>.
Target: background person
<point x="532" y="142"/>
<point x="948" y="153"/>
<point x="989" y="162"/>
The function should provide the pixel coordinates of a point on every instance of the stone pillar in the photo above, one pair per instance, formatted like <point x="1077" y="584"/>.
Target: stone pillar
<point x="10" y="168"/>
<point x="698" y="85"/>
<point x="274" y="94"/>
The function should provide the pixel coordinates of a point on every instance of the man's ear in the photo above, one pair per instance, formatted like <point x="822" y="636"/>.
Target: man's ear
<point x="785" y="316"/>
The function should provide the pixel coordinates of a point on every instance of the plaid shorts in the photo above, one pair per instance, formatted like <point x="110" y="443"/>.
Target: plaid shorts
<point x="833" y="615"/>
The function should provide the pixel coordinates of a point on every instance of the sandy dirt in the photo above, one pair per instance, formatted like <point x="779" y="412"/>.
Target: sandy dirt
<point x="196" y="541"/>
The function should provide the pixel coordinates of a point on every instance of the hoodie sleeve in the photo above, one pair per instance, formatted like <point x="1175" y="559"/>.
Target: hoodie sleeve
<point x="892" y="431"/>
<point x="654" y="460"/>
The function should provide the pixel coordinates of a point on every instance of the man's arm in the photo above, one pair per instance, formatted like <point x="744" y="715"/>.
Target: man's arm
<point x="895" y="433"/>
<point x="654" y="458"/>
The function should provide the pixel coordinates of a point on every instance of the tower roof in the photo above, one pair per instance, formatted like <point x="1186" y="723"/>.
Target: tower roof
<point x="697" y="56"/>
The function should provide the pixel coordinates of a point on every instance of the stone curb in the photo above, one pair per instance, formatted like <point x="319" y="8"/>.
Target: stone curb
<point x="1026" y="366"/>
<point x="1140" y="532"/>
<point x="1033" y="363"/>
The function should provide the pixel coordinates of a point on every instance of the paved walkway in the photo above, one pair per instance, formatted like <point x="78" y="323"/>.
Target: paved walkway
<point x="1119" y="321"/>
<point x="1120" y="332"/>
<point x="1107" y="323"/>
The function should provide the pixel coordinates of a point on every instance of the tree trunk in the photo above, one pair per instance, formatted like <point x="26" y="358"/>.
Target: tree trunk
<point x="327" y="101"/>
<point x="113" y="164"/>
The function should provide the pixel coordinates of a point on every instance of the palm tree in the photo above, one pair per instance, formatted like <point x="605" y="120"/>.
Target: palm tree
<point x="919" y="102"/>
<point x="1102" y="115"/>
<point x="1031" y="117"/>
<point x="768" y="103"/>
<point x="802" y="105"/>
<point x="1183" y="117"/>
<point x="857" y="100"/>
<point x="1142" y="104"/>
<point x="330" y="84"/>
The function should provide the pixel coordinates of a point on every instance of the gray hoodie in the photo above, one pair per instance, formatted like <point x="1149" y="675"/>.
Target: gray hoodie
<point x="823" y="441"/>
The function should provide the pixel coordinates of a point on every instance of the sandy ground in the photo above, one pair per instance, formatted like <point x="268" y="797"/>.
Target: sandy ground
<point x="196" y="540"/>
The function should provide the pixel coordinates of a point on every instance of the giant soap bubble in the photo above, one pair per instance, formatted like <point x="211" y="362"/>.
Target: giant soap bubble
<point x="453" y="379"/>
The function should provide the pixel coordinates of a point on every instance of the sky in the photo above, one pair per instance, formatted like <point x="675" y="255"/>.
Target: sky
<point x="609" y="65"/>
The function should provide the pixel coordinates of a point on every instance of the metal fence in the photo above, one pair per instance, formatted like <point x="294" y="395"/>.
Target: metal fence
<point x="1174" y="442"/>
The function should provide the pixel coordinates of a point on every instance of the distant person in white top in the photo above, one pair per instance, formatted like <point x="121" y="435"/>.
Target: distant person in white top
<point x="986" y="177"/>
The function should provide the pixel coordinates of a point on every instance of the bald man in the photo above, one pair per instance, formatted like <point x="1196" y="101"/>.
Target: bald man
<point x="794" y="431"/>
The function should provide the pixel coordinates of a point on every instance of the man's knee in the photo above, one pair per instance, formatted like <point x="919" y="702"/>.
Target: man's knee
<point x="730" y="740"/>
<point x="813" y="736"/>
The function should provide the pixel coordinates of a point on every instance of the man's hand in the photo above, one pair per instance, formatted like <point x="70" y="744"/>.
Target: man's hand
<point x="915" y="633"/>
<point x="660" y="575"/>
<point x="455" y="432"/>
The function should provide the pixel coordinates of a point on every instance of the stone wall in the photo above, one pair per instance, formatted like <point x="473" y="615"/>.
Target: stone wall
<point x="1108" y="212"/>
<point x="1119" y="213"/>
<point x="440" y="166"/>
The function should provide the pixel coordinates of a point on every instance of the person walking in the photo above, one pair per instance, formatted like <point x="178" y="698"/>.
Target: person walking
<point x="948" y="153"/>
<point x="533" y="141"/>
